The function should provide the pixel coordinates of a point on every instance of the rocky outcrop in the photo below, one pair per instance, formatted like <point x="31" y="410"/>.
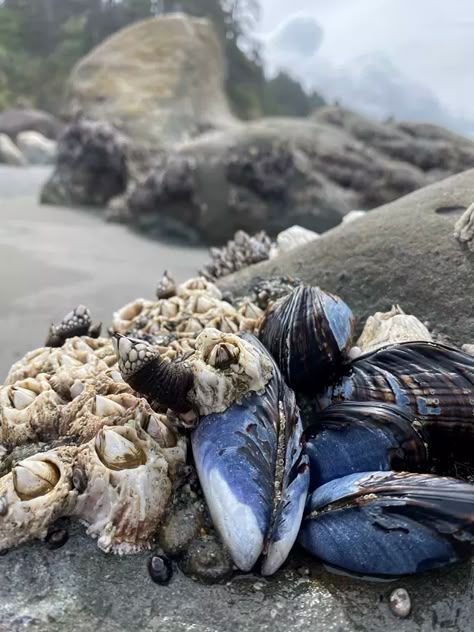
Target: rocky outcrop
<point x="91" y="166"/>
<point x="268" y="174"/>
<point x="438" y="152"/>
<point x="37" y="149"/>
<point x="9" y="152"/>
<point x="160" y="80"/>
<point x="402" y="253"/>
<point x="15" y="121"/>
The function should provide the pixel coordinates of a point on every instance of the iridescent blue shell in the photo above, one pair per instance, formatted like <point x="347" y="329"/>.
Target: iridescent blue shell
<point x="389" y="523"/>
<point x="351" y="437"/>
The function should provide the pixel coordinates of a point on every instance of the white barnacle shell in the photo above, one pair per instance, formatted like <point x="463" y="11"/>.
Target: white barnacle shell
<point x="225" y="367"/>
<point x="385" y="328"/>
<point x="199" y="285"/>
<point x="32" y="364"/>
<point x="292" y="238"/>
<point x="29" y="410"/>
<point x="95" y="408"/>
<point x="124" y="318"/>
<point x="129" y="484"/>
<point x="34" y="494"/>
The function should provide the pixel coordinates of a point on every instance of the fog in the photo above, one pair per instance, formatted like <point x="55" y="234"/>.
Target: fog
<point x="409" y="59"/>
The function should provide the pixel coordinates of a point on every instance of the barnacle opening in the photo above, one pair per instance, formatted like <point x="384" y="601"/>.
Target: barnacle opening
<point x="34" y="478"/>
<point x="117" y="451"/>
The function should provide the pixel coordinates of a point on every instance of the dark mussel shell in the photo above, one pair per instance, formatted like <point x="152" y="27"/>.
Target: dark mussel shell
<point x="351" y="437"/>
<point x="433" y="382"/>
<point x="309" y="333"/>
<point x="389" y="523"/>
<point x="254" y="473"/>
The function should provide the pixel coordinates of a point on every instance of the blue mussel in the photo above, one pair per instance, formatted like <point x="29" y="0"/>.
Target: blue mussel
<point x="357" y="485"/>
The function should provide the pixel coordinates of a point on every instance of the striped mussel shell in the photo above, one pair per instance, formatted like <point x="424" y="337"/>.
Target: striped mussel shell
<point x="309" y="333"/>
<point x="433" y="382"/>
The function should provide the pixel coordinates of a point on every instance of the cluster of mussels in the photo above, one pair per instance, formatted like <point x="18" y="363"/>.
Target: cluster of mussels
<point x="98" y="429"/>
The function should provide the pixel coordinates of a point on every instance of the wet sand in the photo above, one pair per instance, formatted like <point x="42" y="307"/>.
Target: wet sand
<point x="53" y="258"/>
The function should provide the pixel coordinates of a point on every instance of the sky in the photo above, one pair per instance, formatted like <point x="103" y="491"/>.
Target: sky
<point x="420" y="50"/>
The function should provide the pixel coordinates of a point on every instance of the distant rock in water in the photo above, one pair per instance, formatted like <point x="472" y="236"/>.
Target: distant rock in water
<point x="9" y="152"/>
<point x="91" y="166"/>
<point x="15" y="121"/>
<point x="160" y="80"/>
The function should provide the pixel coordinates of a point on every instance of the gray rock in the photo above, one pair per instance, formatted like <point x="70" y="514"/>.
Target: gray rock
<point x="269" y="174"/>
<point x="77" y="588"/>
<point x="404" y="252"/>
<point x="37" y="149"/>
<point x="15" y="121"/>
<point x="91" y="166"/>
<point x="9" y="152"/>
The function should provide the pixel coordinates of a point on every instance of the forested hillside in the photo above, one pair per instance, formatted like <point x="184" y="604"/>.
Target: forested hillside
<point x="41" y="40"/>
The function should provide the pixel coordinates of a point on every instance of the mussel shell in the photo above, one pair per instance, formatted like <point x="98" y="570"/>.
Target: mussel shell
<point x="389" y="523"/>
<point x="351" y="437"/>
<point x="431" y="381"/>
<point x="309" y="333"/>
<point x="254" y="473"/>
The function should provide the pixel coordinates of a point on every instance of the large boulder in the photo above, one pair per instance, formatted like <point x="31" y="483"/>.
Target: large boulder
<point x="91" y="166"/>
<point x="15" y="121"/>
<point x="160" y="80"/>
<point x="9" y="152"/>
<point x="404" y="252"/>
<point x="268" y="174"/>
<point x="37" y="149"/>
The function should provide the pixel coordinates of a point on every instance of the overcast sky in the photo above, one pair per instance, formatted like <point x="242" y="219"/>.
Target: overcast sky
<point x="430" y="42"/>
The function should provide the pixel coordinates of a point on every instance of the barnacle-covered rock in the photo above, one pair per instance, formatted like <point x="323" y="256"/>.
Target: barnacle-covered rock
<point x="240" y="252"/>
<point x="90" y="411"/>
<point x="125" y="318"/>
<point x="387" y="328"/>
<point x="126" y="479"/>
<point x="199" y="285"/>
<point x="34" y="494"/>
<point x="29" y="411"/>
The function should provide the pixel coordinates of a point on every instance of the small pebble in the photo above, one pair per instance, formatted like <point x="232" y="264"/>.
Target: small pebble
<point x="160" y="569"/>
<point x="56" y="539"/>
<point x="400" y="603"/>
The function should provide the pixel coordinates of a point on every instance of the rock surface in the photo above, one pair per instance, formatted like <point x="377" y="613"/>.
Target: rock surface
<point x="78" y="589"/>
<point x="404" y="252"/>
<point x="160" y="80"/>
<point x="273" y="173"/>
<point x="91" y="166"/>
<point x="9" y="152"/>
<point x="15" y="121"/>
<point x="37" y="149"/>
